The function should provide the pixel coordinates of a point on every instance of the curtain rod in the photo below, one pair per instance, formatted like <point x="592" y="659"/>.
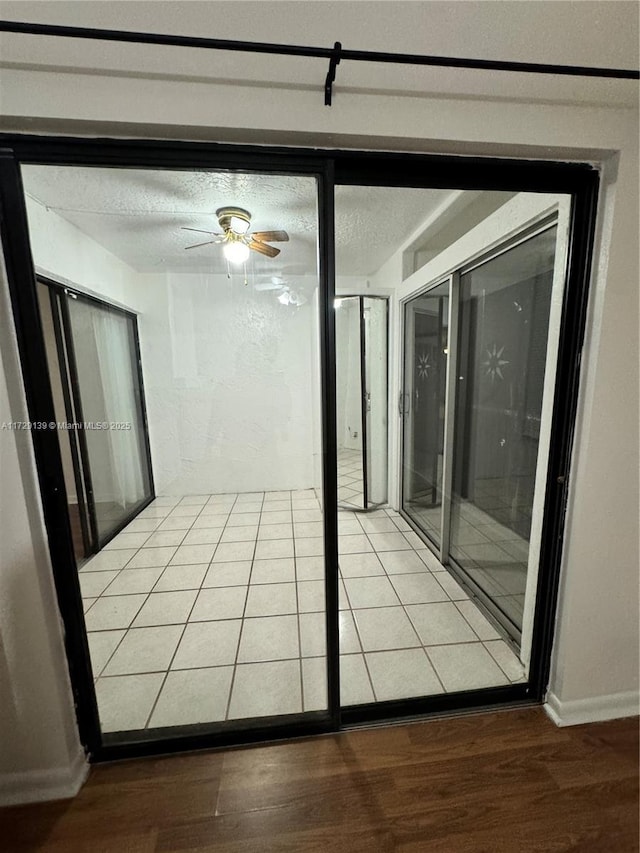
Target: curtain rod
<point x="334" y="54"/>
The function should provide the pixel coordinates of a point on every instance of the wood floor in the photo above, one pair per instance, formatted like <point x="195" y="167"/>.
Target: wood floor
<point x="508" y="782"/>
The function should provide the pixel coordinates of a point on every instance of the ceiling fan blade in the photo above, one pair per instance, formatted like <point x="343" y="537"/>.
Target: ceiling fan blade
<point x="270" y="236"/>
<point x="263" y="249"/>
<point x="200" y="231"/>
<point x="206" y="243"/>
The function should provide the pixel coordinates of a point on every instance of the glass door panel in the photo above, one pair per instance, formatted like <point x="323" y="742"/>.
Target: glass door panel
<point x="108" y="390"/>
<point x="423" y="401"/>
<point x="504" y="320"/>
<point x="376" y="397"/>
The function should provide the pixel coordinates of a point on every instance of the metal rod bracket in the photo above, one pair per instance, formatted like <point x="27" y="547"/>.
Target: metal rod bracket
<point x="334" y="61"/>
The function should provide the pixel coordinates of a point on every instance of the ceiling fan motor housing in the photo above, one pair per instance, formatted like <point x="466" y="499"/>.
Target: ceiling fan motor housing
<point x="227" y="215"/>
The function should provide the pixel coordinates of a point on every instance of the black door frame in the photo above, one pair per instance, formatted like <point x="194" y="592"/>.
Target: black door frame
<point x="330" y="167"/>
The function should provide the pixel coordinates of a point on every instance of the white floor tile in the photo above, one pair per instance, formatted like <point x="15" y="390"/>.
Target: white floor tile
<point x="275" y="531"/>
<point x="480" y="624"/>
<point x="125" y="702"/>
<point x="87" y="603"/>
<point x="109" y="561"/>
<point x="370" y="592"/>
<point x="360" y="565"/>
<point x="149" y="557"/>
<point x="278" y="517"/>
<point x="231" y="552"/>
<point x="440" y="623"/>
<point x="271" y="599"/>
<point x="506" y="659"/>
<point x="281" y="570"/>
<point x="177" y="523"/>
<point x="208" y="644"/>
<point x="307" y="515"/>
<point x="134" y="580"/>
<point x="450" y="586"/>
<point x="349" y="640"/>
<point x="219" y="603"/>
<point x="243" y="519"/>
<point x="378" y="525"/>
<point x="430" y="560"/>
<point x="418" y="588"/>
<point x="228" y="574"/>
<point x="384" y="628"/>
<point x="184" y="512"/>
<point x="348" y="526"/>
<point x="310" y="596"/>
<point x="466" y="667"/>
<point x="355" y="687"/>
<point x="266" y="689"/>
<point x="314" y="684"/>
<point x="240" y="534"/>
<point x="117" y="611"/>
<point x="250" y="497"/>
<point x="272" y="548"/>
<point x="305" y="529"/>
<point x="269" y="497"/>
<point x="145" y="650"/>
<point x="269" y="638"/>
<point x="203" y="536"/>
<point x="354" y="544"/>
<point x="309" y="568"/>
<point x="276" y="506"/>
<point x="243" y="508"/>
<point x="193" y="696"/>
<point x="401" y="562"/>
<point x="180" y="577"/>
<point x="165" y="608"/>
<point x="165" y="538"/>
<point x="190" y="554"/>
<point x="93" y="584"/>
<point x="141" y="525"/>
<point x="102" y="644"/>
<point x="402" y="674"/>
<point x="312" y="634"/>
<point x="194" y="500"/>
<point x="389" y="541"/>
<point x="128" y="540"/>
<point x="312" y="547"/>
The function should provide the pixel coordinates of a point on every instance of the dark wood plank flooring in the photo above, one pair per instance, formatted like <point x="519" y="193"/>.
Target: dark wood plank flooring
<point x="507" y="782"/>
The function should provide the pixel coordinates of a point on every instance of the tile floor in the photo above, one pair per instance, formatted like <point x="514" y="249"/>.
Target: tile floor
<point x="350" y="477"/>
<point x="211" y="607"/>
<point x="494" y="554"/>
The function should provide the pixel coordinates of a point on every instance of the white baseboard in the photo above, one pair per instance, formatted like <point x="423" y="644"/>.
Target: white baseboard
<point x="596" y="709"/>
<point x="35" y="786"/>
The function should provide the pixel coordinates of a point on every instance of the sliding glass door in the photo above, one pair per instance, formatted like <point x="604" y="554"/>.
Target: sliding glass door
<point x="94" y="364"/>
<point x="476" y="355"/>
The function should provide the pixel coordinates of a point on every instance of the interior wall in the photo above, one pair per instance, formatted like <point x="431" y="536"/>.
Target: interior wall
<point x="231" y="386"/>
<point x="348" y="379"/>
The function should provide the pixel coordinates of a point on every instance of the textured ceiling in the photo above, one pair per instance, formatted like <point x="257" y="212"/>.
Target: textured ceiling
<point x="138" y="215"/>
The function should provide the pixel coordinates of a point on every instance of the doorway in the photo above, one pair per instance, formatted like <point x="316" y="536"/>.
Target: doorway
<point x="362" y="401"/>
<point x="381" y="576"/>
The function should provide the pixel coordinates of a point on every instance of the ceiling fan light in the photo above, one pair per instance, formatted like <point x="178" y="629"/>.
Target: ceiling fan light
<point x="236" y="252"/>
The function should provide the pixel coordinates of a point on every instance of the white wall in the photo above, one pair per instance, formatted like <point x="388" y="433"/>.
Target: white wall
<point x="231" y="385"/>
<point x="595" y="661"/>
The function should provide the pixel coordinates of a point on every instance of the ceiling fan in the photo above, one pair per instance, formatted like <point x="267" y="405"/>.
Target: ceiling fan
<point x="238" y="240"/>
